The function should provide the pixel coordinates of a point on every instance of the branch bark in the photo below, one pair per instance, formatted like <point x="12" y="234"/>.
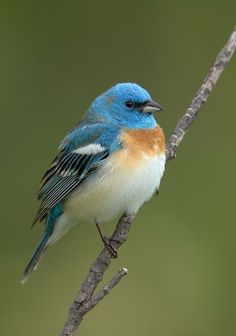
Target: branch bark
<point x="86" y="299"/>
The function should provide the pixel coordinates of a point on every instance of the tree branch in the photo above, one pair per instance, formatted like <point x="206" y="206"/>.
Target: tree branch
<point x="86" y="299"/>
<point x="201" y="96"/>
<point x="106" y="289"/>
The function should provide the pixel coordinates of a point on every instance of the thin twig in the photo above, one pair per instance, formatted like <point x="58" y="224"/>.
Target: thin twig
<point x="94" y="276"/>
<point x="201" y="96"/>
<point x="85" y="300"/>
<point x="83" y="309"/>
<point x="106" y="289"/>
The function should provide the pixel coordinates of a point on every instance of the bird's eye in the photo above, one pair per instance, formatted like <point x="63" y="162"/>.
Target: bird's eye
<point x="129" y="104"/>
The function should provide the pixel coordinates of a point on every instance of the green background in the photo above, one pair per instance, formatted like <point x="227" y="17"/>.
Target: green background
<point x="55" y="58"/>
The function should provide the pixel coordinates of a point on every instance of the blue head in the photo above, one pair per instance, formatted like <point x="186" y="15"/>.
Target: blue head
<point x="126" y="105"/>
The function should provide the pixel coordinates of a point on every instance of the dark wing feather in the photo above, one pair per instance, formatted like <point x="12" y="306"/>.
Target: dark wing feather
<point x="66" y="172"/>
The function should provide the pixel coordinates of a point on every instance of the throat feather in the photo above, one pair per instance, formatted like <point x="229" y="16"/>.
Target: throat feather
<point x="149" y="141"/>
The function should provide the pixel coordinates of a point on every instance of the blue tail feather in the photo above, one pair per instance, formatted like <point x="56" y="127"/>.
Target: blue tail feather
<point x="52" y="217"/>
<point x="32" y="265"/>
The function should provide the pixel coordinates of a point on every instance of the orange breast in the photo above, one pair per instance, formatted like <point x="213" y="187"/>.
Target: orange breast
<point x="149" y="141"/>
<point x="138" y="145"/>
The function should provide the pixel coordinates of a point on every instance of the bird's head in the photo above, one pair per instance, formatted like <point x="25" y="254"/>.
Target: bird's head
<point x="125" y="104"/>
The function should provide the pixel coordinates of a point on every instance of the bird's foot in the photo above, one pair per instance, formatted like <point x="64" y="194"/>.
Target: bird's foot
<point x="108" y="243"/>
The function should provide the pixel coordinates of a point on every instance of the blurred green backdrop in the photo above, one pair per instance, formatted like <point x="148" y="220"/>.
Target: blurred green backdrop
<point x="55" y="58"/>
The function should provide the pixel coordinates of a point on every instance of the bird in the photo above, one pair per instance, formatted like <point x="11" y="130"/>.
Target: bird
<point x="111" y="162"/>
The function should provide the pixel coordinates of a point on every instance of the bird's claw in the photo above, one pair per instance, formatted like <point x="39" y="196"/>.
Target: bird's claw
<point x="111" y="248"/>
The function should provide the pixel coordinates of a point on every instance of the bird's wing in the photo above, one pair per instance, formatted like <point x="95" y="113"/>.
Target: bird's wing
<point x="78" y="158"/>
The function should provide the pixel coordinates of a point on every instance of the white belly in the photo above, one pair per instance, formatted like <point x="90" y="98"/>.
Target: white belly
<point x="117" y="189"/>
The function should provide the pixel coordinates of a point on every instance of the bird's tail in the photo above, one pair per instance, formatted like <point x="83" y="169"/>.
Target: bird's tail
<point x="52" y="217"/>
<point x="36" y="257"/>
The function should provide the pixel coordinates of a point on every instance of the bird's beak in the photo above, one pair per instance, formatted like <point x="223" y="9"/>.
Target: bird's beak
<point x="151" y="106"/>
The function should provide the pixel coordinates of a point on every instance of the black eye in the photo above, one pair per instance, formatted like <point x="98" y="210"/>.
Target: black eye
<point x="129" y="104"/>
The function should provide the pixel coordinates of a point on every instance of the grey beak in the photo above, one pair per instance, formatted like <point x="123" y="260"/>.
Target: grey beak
<point x="151" y="106"/>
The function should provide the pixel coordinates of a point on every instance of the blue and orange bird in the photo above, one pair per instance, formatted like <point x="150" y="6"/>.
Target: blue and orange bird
<point x="110" y="163"/>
